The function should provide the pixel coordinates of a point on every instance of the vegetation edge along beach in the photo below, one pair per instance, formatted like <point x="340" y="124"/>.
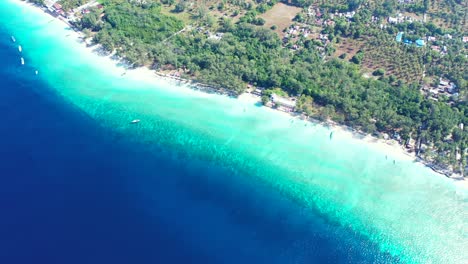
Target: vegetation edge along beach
<point x="303" y="82"/>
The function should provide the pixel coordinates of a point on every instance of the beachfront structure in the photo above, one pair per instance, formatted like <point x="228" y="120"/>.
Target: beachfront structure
<point x="50" y="3"/>
<point x="257" y="92"/>
<point x="282" y="103"/>
<point x="54" y="7"/>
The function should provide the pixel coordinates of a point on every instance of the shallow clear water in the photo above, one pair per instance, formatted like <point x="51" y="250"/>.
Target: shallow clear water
<point x="221" y="180"/>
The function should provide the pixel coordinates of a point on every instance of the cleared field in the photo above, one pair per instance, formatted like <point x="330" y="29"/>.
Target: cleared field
<point x="185" y="17"/>
<point x="280" y="15"/>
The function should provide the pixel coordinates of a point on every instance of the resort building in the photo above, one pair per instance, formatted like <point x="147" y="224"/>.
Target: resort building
<point x="54" y="7"/>
<point x="282" y="103"/>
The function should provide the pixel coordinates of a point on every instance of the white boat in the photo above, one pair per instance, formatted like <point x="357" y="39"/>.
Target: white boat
<point x="22" y="61"/>
<point x="13" y="39"/>
<point x="135" y="121"/>
<point x="20" y="48"/>
<point x="37" y="72"/>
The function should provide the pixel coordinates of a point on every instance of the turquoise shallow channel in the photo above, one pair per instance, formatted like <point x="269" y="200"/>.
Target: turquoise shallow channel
<point x="402" y="208"/>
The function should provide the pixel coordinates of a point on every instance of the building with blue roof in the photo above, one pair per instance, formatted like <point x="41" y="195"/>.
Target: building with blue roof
<point x="420" y="43"/>
<point x="399" y="36"/>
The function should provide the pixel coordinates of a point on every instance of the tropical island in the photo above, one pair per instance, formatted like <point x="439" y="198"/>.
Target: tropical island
<point x="395" y="69"/>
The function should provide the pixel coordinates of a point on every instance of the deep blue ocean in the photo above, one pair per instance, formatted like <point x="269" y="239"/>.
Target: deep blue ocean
<point x="72" y="191"/>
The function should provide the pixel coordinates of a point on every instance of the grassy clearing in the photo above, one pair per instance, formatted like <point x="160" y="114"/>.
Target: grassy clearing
<point x="280" y="15"/>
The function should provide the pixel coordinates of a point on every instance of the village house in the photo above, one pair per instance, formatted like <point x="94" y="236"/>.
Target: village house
<point x="435" y="92"/>
<point x="58" y="9"/>
<point x="400" y="19"/>
<point x="465" y="39"/>
<point x="443" y="83"/>
<point x="350" y="14"/>
<point x="392" y="20"/>
<point x="323" y="37"/>
<point x="216" y="36"/>
<point x="446" y="86"/>
<point x="395" y="20"/>
<point x="310" y="11"/>
<point x="282" y="103"/>
<point x="313" y="12"/>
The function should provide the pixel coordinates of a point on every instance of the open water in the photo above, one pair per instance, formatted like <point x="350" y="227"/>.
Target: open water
<point x="201" y="179"/>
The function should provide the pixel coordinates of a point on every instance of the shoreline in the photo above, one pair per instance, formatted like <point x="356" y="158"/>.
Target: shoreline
<point x="146" y="74"/>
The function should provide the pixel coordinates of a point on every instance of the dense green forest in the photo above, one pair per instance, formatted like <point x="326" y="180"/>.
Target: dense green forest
<point x="244" y="52"/>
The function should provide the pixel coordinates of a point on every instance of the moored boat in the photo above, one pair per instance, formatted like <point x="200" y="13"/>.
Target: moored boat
<point x="22" y="61"/>
<point x="13" y="39"/>
<point x="20" y="48"/>
<point x="135" y="121"/>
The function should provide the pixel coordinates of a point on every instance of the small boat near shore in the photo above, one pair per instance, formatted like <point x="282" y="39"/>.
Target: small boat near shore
<point x="135" y="121"/>
<point x="22" y="61"/>
<point x="13" y="39"/>
<point x="36" y="72"/>
<point x="20" y="49"/>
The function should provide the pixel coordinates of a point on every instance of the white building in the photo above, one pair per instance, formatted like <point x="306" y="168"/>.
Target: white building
<point x="49" y="3"/>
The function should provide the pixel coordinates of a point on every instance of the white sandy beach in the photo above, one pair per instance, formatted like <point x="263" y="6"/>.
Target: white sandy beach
<point x="146" y="75"/>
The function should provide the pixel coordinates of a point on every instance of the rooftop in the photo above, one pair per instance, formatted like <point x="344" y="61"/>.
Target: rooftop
<point x="399" y="36"/>
<point x="50" y="3"/>
<point x="420" y="42"/>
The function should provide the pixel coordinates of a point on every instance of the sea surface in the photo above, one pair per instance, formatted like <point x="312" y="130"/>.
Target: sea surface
<point x="202" y="178"/>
